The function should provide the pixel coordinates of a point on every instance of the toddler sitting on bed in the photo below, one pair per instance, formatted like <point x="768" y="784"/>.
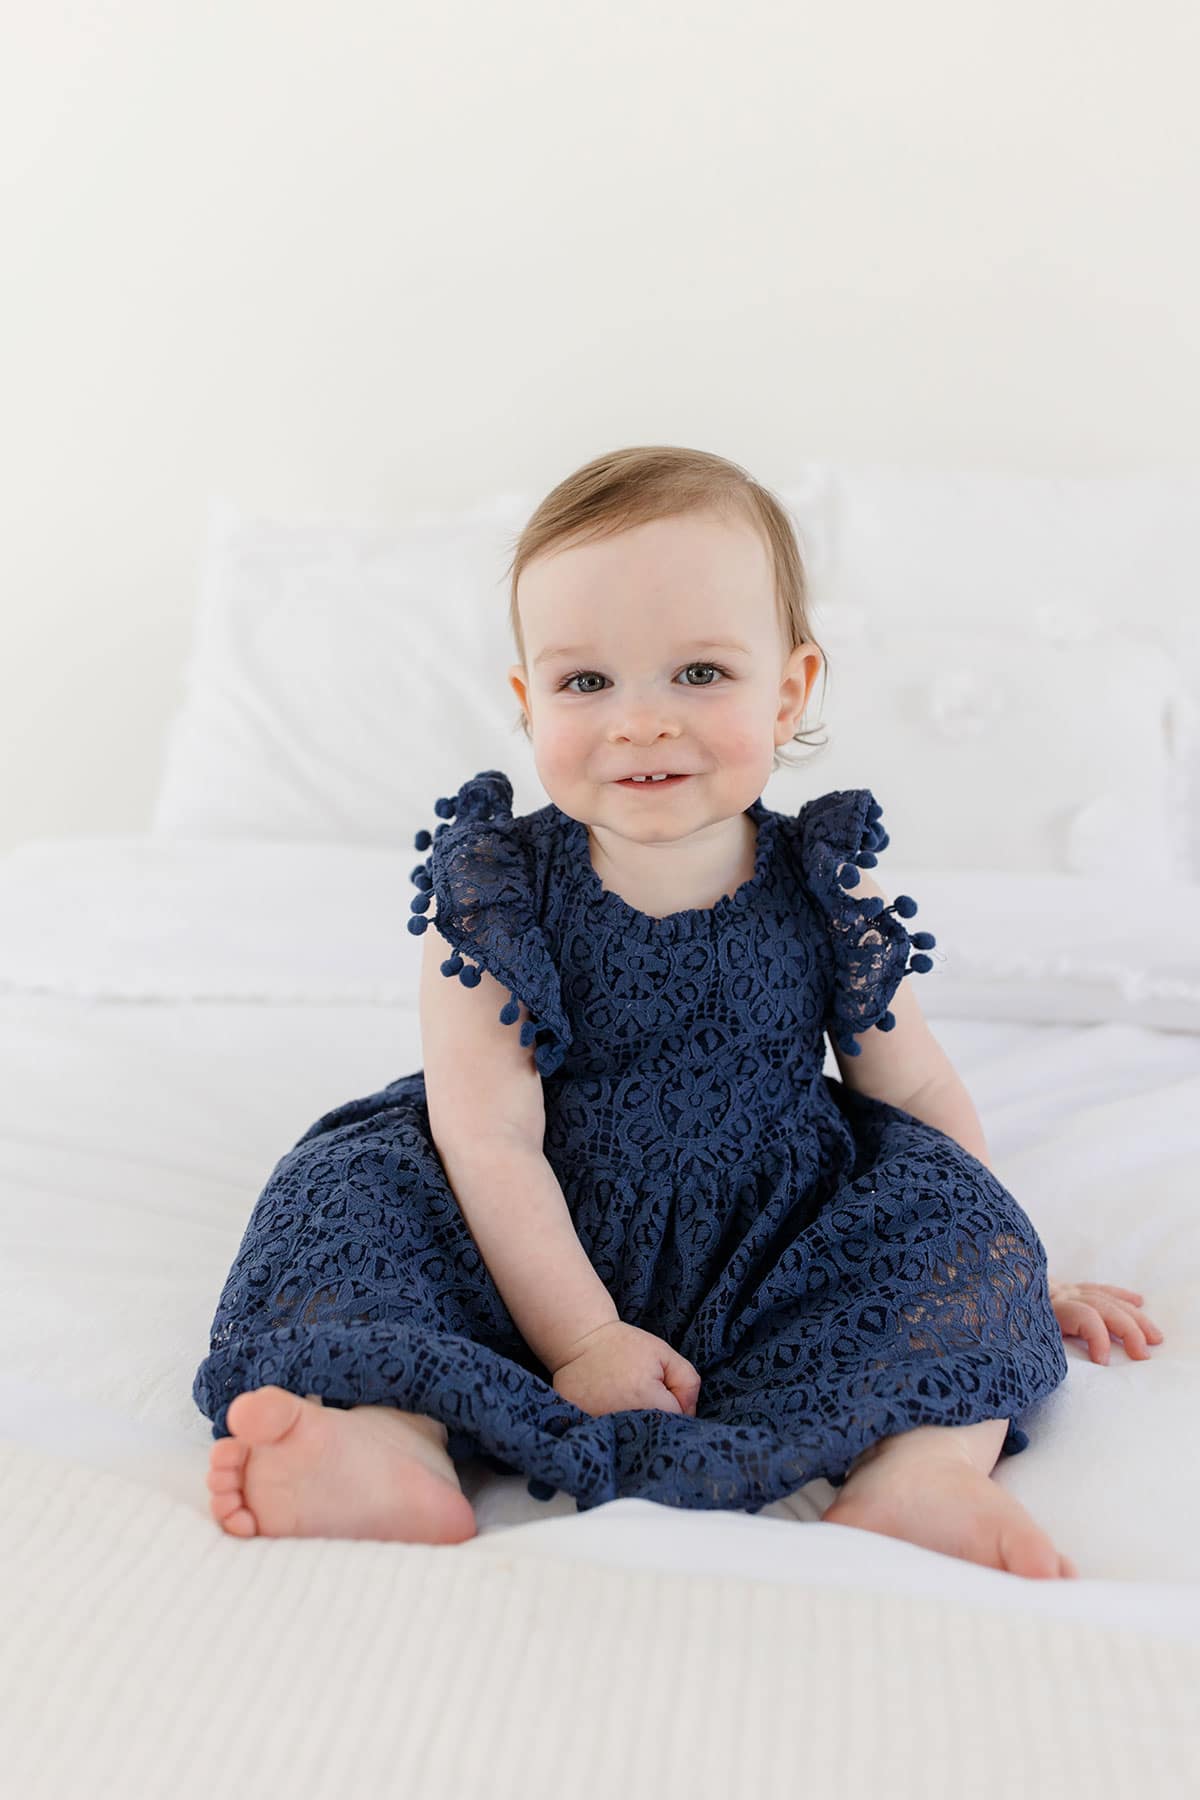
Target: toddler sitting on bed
<point x="644" y="1246"/>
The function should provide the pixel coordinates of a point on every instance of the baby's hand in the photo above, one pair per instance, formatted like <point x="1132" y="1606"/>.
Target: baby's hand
<point x="619" y="1366"/>
<point x="1084" y="1309"/>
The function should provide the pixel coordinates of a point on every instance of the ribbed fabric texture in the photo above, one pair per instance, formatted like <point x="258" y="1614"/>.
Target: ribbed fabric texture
<point x="146" y="1653"/>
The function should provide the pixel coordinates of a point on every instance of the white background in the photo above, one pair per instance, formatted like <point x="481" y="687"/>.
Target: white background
<point x="364" y="260"/>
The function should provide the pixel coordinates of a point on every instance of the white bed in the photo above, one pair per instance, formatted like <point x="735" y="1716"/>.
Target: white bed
<point x="176" y="1009"/>
<point x="160" y="1051"/>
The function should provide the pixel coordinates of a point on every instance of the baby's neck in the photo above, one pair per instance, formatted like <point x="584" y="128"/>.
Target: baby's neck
<point x="660" y="881"/>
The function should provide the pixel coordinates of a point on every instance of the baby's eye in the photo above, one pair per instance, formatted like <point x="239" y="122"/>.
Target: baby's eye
<point x="587" y="674"/>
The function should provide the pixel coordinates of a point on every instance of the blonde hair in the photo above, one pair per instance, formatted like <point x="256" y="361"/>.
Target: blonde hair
<point x="654" y="481"/>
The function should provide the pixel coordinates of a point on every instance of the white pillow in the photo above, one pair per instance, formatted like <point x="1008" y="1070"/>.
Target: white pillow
<point x="1064" y="562"/>
<point x="342" y="677"/>
<point x="345" y="676"/>
<point x="279" y="923"/>
<point x="1053" y="949"/>
<point x="1007" y="752"/>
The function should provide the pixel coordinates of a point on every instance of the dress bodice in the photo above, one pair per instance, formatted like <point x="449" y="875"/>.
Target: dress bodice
<point x="684" y="1042"/>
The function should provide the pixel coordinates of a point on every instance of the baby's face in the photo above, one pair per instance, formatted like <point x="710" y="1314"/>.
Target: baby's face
<point x="659" y="648"/>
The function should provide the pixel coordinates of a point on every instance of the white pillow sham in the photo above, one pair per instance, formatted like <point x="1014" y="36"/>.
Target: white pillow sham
<point x="343" y="676"/>
<point x="1006" y="753"/>
<point x="136" y="919"/>
<point x="1062" y="561"/>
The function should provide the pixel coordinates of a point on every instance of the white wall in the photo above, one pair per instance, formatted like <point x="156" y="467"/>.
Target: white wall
<point x="361" y="259"/>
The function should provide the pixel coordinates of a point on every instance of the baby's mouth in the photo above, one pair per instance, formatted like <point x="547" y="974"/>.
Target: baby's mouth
<point x="667" y="781"/>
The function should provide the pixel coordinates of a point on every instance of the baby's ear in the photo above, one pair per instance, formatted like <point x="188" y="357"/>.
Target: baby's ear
<point x="519" y="686"/>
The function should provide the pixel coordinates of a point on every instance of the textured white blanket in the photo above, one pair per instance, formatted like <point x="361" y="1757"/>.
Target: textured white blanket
<point x="147" y="1653"/>
<point x="630" y="1650"/>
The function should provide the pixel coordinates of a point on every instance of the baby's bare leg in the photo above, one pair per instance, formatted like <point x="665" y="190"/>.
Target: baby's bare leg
<point x="980" y="1443"/>
<point x="932" y="1486"/>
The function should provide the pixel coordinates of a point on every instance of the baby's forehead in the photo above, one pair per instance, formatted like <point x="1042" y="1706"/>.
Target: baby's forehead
<point x="679" y="584"/>
<point x="667" y="556"/>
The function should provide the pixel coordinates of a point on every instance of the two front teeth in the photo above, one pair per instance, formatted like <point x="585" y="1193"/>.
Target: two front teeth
<point x="647" y="778"/>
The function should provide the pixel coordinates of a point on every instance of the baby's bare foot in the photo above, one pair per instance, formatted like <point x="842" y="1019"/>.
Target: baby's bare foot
<point x="295" y="1468"/>
<point x="946" y="1503"/>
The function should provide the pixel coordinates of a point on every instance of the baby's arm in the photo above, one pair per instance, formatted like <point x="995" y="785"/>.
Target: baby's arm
<point x="487" y="1120"/>
<point x="908" y="1068"/>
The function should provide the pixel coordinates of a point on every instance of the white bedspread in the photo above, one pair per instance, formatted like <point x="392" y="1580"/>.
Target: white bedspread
<point x="135" y="1135"/>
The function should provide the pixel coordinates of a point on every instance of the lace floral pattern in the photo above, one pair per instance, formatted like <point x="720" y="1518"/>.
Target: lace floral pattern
<point x="837" y="1270"/>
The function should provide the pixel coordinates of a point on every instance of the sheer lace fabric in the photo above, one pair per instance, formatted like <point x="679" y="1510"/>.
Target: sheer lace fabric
<point x="837" y="1270"/>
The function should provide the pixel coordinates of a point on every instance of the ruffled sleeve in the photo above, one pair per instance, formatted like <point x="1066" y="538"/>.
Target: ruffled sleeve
<point x="838" y="834"/>
<point x="478" y="872"/>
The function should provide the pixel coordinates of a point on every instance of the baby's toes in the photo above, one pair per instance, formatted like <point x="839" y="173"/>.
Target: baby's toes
<point x="1025" y="1549"/>
<point x="227" y="1464"/>
<point x="225" y="1479"/>
<point x="232" y="1514"/>
<point x="228" y="1453"/>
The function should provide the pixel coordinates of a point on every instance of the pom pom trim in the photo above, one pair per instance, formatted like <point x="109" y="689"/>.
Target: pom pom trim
<point x="485" y="798"/>
<point x="860" y="957"/>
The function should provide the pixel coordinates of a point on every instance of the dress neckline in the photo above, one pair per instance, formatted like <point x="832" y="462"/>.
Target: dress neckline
<point x="689" y="918"/>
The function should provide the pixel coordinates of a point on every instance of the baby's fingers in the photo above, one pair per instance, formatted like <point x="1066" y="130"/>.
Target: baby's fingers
<point x="1133" y="1329"/>
<point x="1076" y="1319"/>
<point x="683" y="1381"/>
<point x="1149" y="1328"/>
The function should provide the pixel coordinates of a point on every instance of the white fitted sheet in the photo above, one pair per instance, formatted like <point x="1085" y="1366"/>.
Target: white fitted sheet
<point x="135" y="1135"/>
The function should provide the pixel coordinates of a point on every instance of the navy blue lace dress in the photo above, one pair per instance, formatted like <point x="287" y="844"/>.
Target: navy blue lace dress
<point x="836" y="1270"/>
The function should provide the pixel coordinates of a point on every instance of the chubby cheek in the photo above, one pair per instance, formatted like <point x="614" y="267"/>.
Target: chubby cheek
<point x="561" y="755"/>
<point x="737" y="738"/>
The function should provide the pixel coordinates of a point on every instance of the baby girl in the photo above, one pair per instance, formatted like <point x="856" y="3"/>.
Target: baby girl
<point x="644" y="1246"/>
